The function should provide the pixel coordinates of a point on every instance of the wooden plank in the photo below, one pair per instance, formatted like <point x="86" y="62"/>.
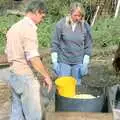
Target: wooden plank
<point x="15" y="12"/>
<point x="77" y="116"/>
<point x="4" y="65"/>
<point x="3" y="59"/>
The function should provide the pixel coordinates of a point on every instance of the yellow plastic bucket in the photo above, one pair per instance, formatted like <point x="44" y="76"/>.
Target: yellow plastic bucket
<point x="66" y="86"/>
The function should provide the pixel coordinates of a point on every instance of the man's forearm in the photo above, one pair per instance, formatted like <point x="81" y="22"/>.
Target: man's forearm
<point x="38" y="66"/>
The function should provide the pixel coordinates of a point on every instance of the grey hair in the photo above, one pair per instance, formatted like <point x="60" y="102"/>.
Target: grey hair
<point x="79" y="6"/>
<point x="36" y="5"/>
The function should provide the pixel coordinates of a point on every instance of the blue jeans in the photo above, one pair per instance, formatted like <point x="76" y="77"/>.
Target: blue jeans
<point x="77" y="71"/>
<point x="25" y="98"/>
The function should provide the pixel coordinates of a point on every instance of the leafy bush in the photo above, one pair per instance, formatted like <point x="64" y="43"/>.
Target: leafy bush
<point x="5" y="4"/>
<point x="106" y="32"/>
<point x="5" y="24"/>
<point x="60" y="8"/>
<point x="45" y="32"/>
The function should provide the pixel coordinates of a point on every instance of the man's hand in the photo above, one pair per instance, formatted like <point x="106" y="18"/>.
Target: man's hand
<point x="48" y="82"/>
<point x="39" y="67"/>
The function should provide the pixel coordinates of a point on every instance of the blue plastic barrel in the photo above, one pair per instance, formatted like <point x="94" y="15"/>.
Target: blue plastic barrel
<point x="65" y="104"/>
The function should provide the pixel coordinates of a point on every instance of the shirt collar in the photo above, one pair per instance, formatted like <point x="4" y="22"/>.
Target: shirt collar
<point x="31" y="22"/>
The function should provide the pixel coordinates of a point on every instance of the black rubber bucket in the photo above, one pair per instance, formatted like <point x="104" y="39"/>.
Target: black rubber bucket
<point x="64" y="104"/>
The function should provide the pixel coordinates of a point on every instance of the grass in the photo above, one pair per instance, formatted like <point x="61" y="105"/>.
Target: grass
<point x="106" y="32"/>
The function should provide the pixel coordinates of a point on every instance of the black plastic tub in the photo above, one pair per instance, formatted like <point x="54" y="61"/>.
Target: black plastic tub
<point x="64" y="104"/>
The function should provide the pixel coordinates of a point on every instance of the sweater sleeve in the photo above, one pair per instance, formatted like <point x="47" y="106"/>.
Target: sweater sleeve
<point x="88" y="40"/>
<point x="56" y="37"/>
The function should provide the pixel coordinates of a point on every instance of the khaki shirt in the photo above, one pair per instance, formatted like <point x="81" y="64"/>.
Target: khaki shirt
<point x="22" y="45"/>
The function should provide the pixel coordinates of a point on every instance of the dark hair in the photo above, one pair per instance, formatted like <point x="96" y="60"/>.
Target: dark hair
<point x="36" y="5"/>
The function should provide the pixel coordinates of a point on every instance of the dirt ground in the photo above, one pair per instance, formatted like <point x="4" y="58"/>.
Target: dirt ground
<point x="101" y="75"/>
<point x="4" y="101"/>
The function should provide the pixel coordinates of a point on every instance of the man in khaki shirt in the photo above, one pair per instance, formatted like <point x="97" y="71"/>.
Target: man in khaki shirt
<point x="22" y="52"/>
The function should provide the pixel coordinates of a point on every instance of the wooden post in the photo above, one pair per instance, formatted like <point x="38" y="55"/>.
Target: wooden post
<point x="117" y="9"/>
<point x="94" y="18"/>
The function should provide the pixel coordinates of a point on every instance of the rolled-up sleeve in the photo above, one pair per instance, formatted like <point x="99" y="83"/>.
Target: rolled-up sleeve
<point x="30" y="44"/>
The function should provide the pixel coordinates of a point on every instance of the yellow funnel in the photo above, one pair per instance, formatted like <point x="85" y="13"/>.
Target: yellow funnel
<point x="66" y="86"/>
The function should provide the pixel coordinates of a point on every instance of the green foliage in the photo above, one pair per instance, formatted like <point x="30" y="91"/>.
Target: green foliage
<point x="45" y="32"/>
<point x="60" y="8"/>
<point x="5" y="4"/>
<point x="5" y="23"/>
<point x="106" y="32"/>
